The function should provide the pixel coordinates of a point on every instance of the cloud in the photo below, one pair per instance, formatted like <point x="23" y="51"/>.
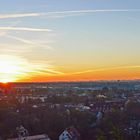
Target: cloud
<point x="103" y="69"/>
<point x="5" y="32"/>
<point x="13" y="49"/>
<point x="93" y="11"/>
<point x="16" y="68"/>
<point x="64" y="13"/>
<point x="20" y="15"/>
<point x="26" y="41"/>
<point x="44" y="71"/>
<point x="20" y="39"/>
<point x="25" y="29"/>
<point x="41" y="69"/>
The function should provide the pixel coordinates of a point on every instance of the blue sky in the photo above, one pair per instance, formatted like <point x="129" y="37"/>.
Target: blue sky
<point x="13" y="6"/>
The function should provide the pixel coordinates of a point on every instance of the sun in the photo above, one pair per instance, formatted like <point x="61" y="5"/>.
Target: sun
<point x="11" y="68"/>
<point x="8" y="66"/>
<point x="5" y="81"/>
<point x="17" y="68"/>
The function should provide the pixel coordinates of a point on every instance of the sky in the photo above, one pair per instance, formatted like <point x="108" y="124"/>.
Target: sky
<point x="69" y="40"/>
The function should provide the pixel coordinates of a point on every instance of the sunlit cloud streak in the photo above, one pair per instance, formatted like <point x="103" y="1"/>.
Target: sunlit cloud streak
<point x="25" y="29"/>
<point x="64" y="13"/>
<point x="29" y="42"/>
<point x="16" y="68"/>
<point x="19" y="15"/>
<point x="46" y="71"/>
<point x="92" y="11"/>
<point x="5" y="32"/>
<point x="20" y="39"/>
<point x="103" y="69"/>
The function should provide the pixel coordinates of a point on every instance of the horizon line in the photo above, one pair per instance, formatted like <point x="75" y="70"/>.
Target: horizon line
<point x="71" y="81"/>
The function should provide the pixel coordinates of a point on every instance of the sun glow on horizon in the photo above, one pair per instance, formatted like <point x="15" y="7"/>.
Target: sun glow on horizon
<point x="5" y="81"/>
<point x="11" y="68"/>
<point x="14" y="68"/>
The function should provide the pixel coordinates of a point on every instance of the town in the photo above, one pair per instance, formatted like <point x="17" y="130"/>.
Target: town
<point x="93" y="110"/>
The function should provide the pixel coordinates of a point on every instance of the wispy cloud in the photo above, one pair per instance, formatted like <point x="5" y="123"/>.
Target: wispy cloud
<point x="20" y="39"/>
<point x="44" y="71"/>
<point x="29" y="42"/>
<point x="64" y="13"/>
<point x="20" y="15"/>
<point x="93" y="11"/>
<point x="25" y="29"/>
<point x="16" y="68"/>
<point x="103" y="69"/>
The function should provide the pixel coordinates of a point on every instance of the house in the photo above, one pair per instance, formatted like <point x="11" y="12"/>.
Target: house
<point x="69" y="134"/>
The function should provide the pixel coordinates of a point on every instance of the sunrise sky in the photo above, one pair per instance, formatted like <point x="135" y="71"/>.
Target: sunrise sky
<point x="62" y="40"/>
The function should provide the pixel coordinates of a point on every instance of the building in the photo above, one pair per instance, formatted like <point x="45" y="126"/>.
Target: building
<point x="69" y="134"/>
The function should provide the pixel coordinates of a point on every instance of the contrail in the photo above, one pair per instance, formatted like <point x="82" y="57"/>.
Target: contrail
<point x="29" y="42"/>
<point x="20" y="39"/>
<point x="53" y="13"/>
<point x="92" y="11"/>
<point x="25" y="29"/>
<point x="20" y="15"/>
